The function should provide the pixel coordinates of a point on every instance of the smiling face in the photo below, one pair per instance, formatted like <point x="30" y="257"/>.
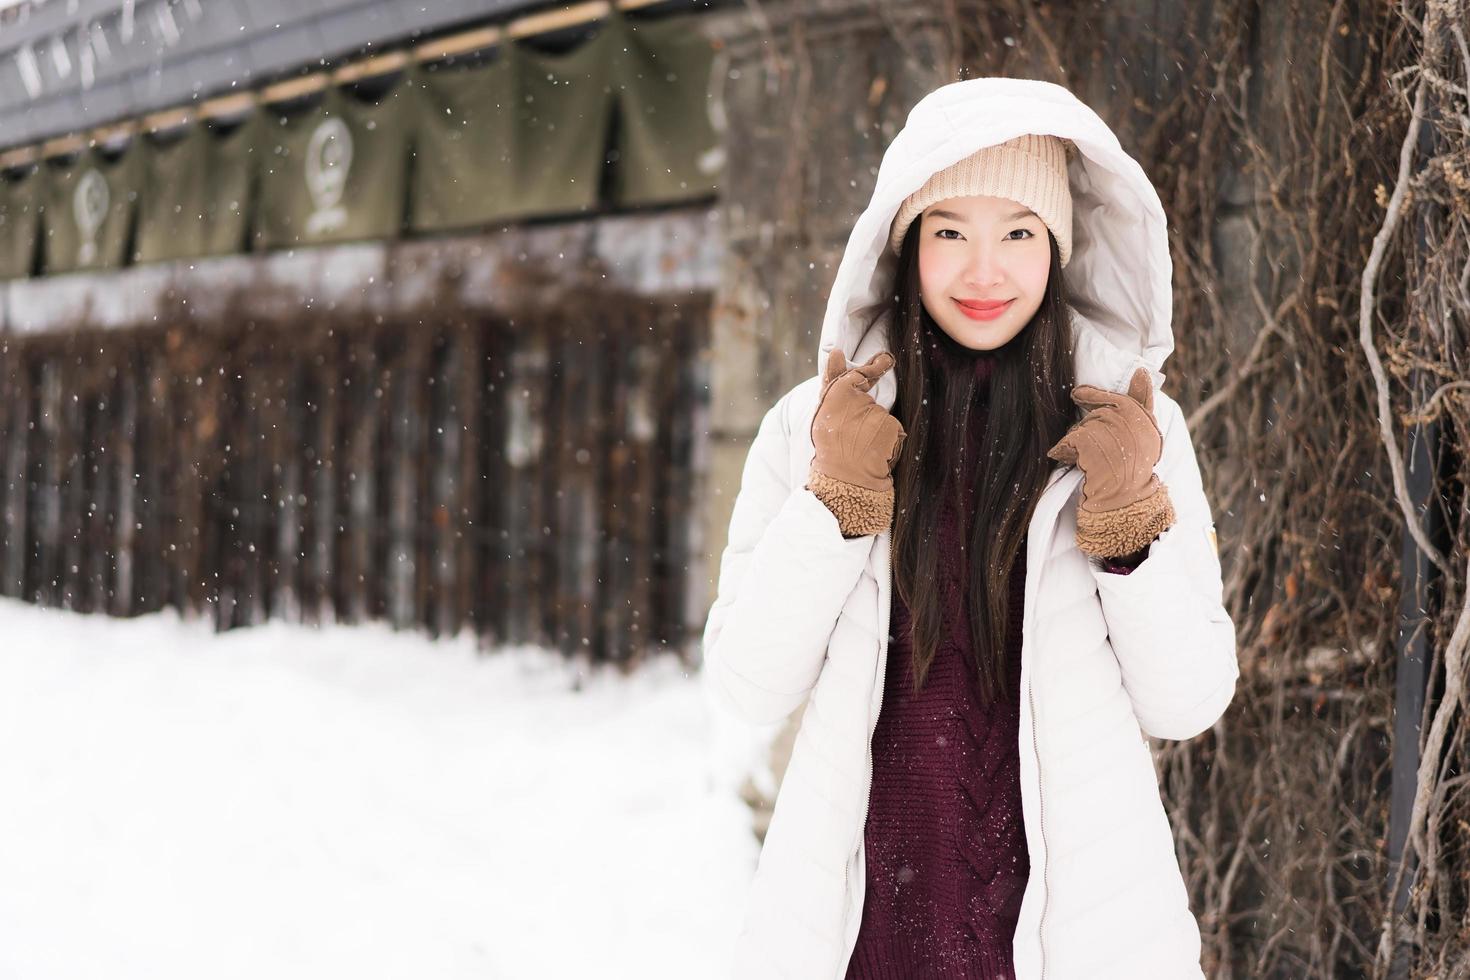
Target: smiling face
<point x="975" y="252"/>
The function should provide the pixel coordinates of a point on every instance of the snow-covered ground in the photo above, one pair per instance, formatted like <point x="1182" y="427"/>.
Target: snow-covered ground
<point x="352" y="802"/>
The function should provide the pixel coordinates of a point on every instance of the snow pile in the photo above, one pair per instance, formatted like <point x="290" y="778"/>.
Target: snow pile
<point x="288" y="802"/>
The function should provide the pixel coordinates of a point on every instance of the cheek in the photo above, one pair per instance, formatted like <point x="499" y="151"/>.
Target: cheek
<point x="936" y="270"/>
<point x="1037" y="273"/>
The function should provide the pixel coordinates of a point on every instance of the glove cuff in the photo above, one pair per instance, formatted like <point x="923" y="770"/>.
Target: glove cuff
<point x="858" y="510"/>
<point x="1124" y="530"/>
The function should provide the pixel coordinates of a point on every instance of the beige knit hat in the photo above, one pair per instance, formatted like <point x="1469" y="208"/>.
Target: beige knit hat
<point x="1030" y="169"/>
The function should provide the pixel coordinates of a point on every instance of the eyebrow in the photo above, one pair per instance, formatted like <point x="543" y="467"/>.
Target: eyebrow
<point x="941" y="213"/>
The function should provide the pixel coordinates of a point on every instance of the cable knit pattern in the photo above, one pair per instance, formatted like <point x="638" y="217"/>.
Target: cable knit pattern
<point x="945" y="846"/>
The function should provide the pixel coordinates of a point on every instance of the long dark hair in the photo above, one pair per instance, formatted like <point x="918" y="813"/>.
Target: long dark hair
<point x="1029" y="409"/>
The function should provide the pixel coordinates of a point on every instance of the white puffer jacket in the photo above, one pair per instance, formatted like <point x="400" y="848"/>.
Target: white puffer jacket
<point x="803" y="613"/>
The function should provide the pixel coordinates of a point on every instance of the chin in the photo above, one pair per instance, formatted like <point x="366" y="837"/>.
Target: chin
<point x="968" y="336"/>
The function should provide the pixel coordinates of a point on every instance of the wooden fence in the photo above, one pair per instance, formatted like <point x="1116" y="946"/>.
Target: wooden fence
<point x="527" y="477"/>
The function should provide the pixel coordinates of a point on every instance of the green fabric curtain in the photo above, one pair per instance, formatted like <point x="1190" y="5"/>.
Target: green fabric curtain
<point x="563" y="104"/>
<point x="521" y="136"/>
<point x="669" y="148"/>
<point x="336" y="172"/>
<point x="464" y="157"/>
<point x="88" y="208"/>
<point x="198" y="198"/>
<point x="525" y="135"/>
<point x="20" y="213"/>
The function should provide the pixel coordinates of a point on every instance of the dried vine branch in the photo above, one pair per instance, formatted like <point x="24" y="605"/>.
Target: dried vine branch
<point x="1367" y="311"/>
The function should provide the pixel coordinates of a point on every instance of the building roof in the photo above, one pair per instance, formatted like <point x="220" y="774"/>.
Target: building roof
<point x="66" y="66"/>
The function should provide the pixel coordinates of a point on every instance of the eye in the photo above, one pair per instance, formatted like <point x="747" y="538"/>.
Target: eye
<point x="1026" y="231"/>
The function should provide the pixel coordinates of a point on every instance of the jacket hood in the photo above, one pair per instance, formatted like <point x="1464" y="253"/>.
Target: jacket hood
<point x="1119" y="274"/>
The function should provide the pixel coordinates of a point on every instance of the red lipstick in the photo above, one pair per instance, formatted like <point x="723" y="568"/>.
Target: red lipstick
<point x="977" y="310"/>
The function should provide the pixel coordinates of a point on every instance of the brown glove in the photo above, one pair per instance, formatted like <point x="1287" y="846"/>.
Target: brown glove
<point x="1117" y="444"/>
<point x="857" y="443"/>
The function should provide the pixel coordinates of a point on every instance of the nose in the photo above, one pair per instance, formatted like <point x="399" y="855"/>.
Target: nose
<point x="984" y="268"/>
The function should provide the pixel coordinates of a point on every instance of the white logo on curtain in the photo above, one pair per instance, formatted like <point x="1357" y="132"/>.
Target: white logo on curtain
<point x="712" y="160"/>
<point x="89" y="209"/>
<point x="328" y="158"/>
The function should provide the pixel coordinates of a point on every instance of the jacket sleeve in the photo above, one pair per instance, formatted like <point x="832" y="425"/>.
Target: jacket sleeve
<point x="784" y="576"/>
<point x="1166" y="619"/>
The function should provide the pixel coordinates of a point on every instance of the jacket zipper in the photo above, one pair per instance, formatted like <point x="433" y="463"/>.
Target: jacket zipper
<point x="1040" y="796"/>
<point x="1041" y="820"/>
<point x="868" y="793"/>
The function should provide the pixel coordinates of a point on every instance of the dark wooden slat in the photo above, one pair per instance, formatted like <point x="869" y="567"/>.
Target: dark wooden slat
<point x="361" y="398"/>
<point x="50" y="467"/>
<point x="124" y="466"/>
<point x="18" y="422"/>
<point x="324" y="511"/>
<point x="529" y="435"/>
<point x="466" y="517"/>
<point x="495" y="486"/>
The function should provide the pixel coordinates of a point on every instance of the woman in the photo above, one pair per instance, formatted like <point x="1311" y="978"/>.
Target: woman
<point x="983" y="802"/>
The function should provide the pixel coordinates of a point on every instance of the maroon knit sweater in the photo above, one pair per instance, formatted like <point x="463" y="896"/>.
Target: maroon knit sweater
<point x="945" y="846"/>
<point x="944" y="843"/>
